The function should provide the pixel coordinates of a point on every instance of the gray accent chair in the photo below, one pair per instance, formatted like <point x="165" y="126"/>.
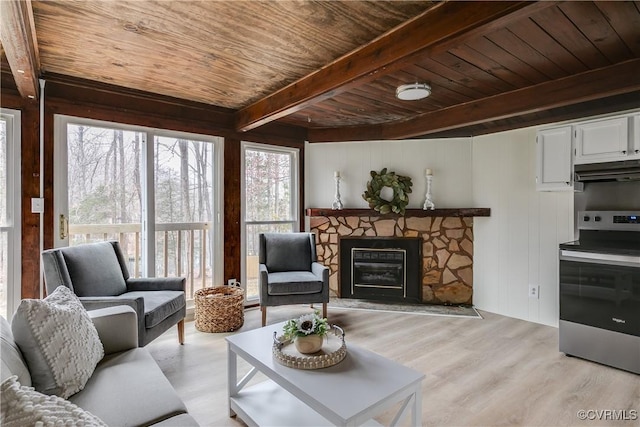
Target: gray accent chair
<point x="290" y="273"/>
<point x="98" y="275"/>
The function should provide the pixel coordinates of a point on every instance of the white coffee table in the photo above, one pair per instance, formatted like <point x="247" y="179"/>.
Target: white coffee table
<point x="350" y="393"/>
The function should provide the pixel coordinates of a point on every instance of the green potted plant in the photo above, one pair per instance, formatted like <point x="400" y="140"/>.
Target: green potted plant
<point x="307" y="332"/>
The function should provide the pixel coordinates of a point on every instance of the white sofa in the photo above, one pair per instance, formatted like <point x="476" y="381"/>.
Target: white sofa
<point x="127" y="387"/>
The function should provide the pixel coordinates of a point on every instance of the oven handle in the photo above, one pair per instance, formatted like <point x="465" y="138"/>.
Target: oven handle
<point x="597" y="258"/>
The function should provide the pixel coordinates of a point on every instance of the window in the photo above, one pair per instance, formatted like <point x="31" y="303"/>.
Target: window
<point x="184" y="179"/>
<point x="154" y="191"/>
<point x="10" y="238"/>
<point x="270" y="202"/>
<point x="103" y="187"/>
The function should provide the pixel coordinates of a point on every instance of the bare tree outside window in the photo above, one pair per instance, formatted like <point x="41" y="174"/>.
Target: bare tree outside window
<point x="184" y="191"/>
<point x="105" y="198"/>
<point x="269" y="202"/>
<point x="103" y="167"/>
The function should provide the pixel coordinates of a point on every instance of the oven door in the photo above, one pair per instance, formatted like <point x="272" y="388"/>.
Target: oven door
<point x="600" y="290"/>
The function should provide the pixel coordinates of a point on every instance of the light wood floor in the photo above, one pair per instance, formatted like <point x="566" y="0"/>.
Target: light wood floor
<point x="491" y="372"/>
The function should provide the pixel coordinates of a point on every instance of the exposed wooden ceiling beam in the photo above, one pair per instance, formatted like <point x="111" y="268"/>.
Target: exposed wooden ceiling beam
<point x="608" y="81"/>
<point x="20" y="44"/>
<point x="446" y="25"/>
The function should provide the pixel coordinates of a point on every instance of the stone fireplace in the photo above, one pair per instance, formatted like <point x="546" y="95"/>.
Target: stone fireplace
<point x="381" y="268"/>
<point x="445" y="267"/>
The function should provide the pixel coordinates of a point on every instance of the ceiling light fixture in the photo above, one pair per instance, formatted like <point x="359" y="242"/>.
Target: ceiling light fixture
<point x="413" y="92"/>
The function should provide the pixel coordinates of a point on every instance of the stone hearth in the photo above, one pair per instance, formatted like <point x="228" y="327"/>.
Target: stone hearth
<point x="447" y="248"/>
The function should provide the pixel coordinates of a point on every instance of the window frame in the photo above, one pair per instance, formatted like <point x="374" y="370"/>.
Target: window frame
<point x="13" y="118"/>
<point x="294" y="164"/>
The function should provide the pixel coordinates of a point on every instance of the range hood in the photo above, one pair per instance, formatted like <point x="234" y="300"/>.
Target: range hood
<point x="625" y="170"/>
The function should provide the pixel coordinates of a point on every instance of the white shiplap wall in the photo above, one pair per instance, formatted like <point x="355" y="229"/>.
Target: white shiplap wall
<point x="518" y="244"/>
<point x="450" y="160"/>
<point x="514" y="247"/>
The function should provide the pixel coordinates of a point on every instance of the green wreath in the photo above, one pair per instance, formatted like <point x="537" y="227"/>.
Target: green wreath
<point x="401" y="186"/>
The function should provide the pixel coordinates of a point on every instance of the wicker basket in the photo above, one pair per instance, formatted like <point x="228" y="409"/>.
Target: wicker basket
<point x="219" y="309"/>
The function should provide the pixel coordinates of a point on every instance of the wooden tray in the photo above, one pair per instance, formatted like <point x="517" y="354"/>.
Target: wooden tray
<point x="333" y="351"/>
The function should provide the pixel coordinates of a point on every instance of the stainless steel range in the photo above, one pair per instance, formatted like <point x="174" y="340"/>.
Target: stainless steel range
<point x="600" y="290"/>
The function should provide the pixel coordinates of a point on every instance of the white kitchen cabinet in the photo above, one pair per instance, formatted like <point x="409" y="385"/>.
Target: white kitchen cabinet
<point x="554" y="171"/>
<point x="634" y="152"/>
<point x="602" y="141"/>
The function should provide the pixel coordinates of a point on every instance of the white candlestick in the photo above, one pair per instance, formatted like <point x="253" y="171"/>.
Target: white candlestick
<point x="337" y="203"/>
<point x="428" y="202"/>
<point x="428" y="172"/>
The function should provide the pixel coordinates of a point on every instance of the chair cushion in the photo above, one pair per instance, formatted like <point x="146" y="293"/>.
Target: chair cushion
<point x="23" y="406"/>
<point x="129" y="389"/>
<point x="288" y="252"/>
<point x="94" y="270"/>
<point x="294" y="283"/>
<point x="58" y="341"/>
<point x="158" y="305"/>
<point x="12" y="361"/>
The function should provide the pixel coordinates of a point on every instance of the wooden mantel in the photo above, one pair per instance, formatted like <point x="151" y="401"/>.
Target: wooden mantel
<point x="462" y="212"/>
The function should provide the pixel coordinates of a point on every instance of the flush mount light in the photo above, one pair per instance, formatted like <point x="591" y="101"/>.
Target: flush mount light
<point x="413" y="92"/>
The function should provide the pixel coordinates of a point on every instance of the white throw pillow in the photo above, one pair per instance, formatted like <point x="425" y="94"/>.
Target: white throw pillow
<point x="23" y="406"/>
<point x="59" y="342"/>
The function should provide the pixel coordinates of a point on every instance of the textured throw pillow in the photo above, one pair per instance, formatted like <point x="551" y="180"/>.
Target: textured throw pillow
<point x="23" y="406"/>
<point x="58" y="341"/>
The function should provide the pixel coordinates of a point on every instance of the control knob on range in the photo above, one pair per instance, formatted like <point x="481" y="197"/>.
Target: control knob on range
<point x="597" y="219"/>
<point x="586" y="218"/>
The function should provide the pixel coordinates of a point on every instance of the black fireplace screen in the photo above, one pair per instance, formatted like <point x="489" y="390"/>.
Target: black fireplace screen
<point x="378" y="268"/>
<point x="381" y="268"/>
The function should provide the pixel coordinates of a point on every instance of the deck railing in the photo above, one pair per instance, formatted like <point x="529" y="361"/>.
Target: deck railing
<point x="182" y="249"/>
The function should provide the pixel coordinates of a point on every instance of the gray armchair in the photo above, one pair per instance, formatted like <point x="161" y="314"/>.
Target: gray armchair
<point x="290" y="273"/>
<point x="98" y="275"/>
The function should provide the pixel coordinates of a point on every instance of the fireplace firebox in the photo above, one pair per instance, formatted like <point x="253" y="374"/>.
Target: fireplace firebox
<point x="379" y="268"/>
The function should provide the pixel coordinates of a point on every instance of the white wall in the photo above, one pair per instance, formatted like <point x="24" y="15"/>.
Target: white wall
<point x="514" y="247"/>
<point x="518" y="244"/>
<point x="450" y="160"/>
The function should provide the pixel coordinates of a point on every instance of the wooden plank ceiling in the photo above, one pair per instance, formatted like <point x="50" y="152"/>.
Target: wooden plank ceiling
<point x="332" y="67"/>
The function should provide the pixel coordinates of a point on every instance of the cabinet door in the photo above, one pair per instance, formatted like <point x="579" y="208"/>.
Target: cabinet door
<point x="554" y="160"/>
<point x="602" y="141"/>
<point x="635" y="138"/>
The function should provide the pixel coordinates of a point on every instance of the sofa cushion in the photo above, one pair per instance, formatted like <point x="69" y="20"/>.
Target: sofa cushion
<point x="12" y="362"/>
<point x="94" y="270"/>
<point x="129" y="389"/>
<point x="288" y="252"/>
<point x="58" y="341"/>
<point x="294" y="282"/>
<point x="158" y="305"/>
<point x="23" y="406"/>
